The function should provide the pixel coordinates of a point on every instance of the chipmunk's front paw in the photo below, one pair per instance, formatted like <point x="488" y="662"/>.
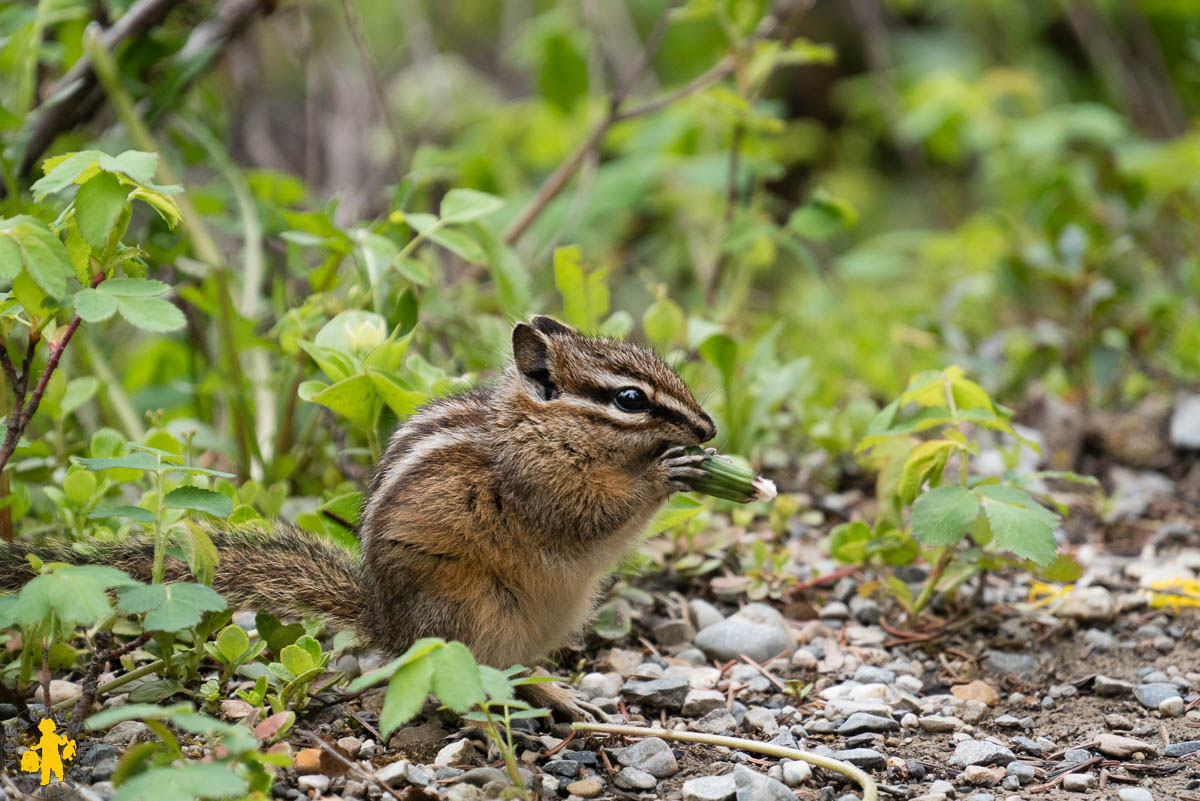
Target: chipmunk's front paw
<point x="679" y="466"/>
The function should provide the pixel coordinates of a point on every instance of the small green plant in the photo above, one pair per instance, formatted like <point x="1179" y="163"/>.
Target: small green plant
<point x="450" y="672"/>
<point x="961" y="524"/>
<point x="233" y="648"/>
<point x="298" y="666"/>
<point x="235" y="768"/>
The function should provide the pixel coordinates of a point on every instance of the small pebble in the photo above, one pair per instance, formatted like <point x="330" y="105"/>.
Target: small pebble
<point x="1078" y="782"/>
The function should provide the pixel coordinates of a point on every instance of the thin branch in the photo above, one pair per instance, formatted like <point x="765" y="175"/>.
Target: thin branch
<point x="373" y="81"/>
<point x="10" y="372"/>
<point x="314" y="737"/>
<point x="76" y="94"/>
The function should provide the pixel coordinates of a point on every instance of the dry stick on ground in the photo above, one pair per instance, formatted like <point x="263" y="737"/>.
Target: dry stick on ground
<point x="558" y="179"/>
<point x="349" y="764"/>
<point x="870" y="792"/>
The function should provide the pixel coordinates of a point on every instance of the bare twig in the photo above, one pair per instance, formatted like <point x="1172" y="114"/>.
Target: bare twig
<point x="22" y="412"/>
<point x="387" y="788"/>
<point x="90" y="679"/>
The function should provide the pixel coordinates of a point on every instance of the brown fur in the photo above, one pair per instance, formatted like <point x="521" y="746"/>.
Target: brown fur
<point x="493" y="515"/>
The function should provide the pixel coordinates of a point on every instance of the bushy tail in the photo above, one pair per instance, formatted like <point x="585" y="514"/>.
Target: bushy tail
<point x="286" y="572"/>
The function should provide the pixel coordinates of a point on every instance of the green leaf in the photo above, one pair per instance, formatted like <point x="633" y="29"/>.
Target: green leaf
<point x="663" y="321"/>
<point x="232" y="642"/>
<point x="10" y="258"/>
<point x="353" y="398"/>
<point x="1019" y="523"/>
<point x="134" y="461"/>
<point x="200" y="500"/>
<point x="171" y="607"/>
<point x="821" y="216"/>
<point x="456" y="679"/>
<point x="403" y="402"/>
<point x="296" y="659"/>
<point x="94" y="306"/>
<point x="97" y="206"/>
<point x="76" y="594"/>
<point x="406" y="694"/>
<point x="186" y="782"/>
<point x="944" y="515"/>
<point x="79" y="391"/>
<point x="133" y="287"/>
<point x="43" y="256"/>
<point x="459" y="243"/>
<point x="585" y="295"/>
<point x="137" y="164"/>
<point x="125" y="510"/>
<point x="848" y="542"/>
<point x="62" y="171"/>
<point x="926" y="461"/>
<point x="151" y="314"/>
<point x="721" y="352"/>
<point x="464" y="205"/>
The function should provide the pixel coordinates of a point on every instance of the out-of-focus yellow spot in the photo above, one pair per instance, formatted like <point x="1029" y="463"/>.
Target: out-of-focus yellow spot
<point x="396" y="217"/>
<point x="1043" y="594"/>
<point x="1175" y="594"/>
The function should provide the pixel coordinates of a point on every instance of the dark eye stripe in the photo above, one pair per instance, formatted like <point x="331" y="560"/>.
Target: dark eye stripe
<point x="603" y="395"/>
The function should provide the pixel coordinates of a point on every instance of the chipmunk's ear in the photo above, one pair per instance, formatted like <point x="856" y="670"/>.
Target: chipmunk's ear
<point x="531" y="353"/>
<point x="550" y="326"/>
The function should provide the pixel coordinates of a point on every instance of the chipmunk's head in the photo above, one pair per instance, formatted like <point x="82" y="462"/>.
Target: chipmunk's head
<point x="613" y="384"/>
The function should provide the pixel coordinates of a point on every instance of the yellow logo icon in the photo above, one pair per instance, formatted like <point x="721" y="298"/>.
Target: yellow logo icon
<point x="51" y="761"/>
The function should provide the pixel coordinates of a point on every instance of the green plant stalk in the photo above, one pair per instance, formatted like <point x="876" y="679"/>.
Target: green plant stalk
<point x="202" y="241"/>
<point x="870" y="791"/>
<point x="724" y="479"/>
<point x="156" y="573"/>
<point x="943" y="562"/>
<point x="506" y="747"/>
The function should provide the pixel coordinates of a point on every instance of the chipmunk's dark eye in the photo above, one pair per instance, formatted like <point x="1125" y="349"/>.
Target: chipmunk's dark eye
<point x="631" y="399"/>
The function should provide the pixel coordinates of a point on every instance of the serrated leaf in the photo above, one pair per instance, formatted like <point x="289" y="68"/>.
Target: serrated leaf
<point x="464" y="205"/>
<point x="93" y="306"/>
<point x="1019" y="523"/>
<point x="944" y="515"/>
<point x="151" y="314"/>
<point x="139" y="165"/>
<point x="199" y="500"/>
<point x="133" y="287"/>
<point x="97" y="206"/>
<point x="406" y="694"/>
<point x="79" y="391"/>
<point x="76" y="594"/>
<point x="62" y="171"/>
<point x="10" y="258"/>
<point x="43" y="256"/>
<point x="171" y="607"/>
<point x="456" y="680"/>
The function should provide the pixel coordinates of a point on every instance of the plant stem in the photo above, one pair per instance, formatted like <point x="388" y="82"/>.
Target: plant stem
<point x="870" y="792"/>
<point x="943" y="562"/>
<point x="156" y="573"/>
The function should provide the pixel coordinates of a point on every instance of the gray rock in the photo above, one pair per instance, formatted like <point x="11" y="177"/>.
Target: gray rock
<point x="126" y="733"/>
<point x="651" y="755"/>
<point x="666" y="693"/>
<point x="1185" y="423"/>
<point x="834" y="610"/>
<point x="865" y="758"/>
<point x="1078" y="782"/>
<point x="634" y="779"/>
<point x="600" y="685"/>
<point x="1100" y="640"/>
<point x="476" y="776"/>
<point x="1008" y="722"/>
<point x="869" y="674"/>
<point x="566" y="768"/>
<point x="674" y="632"/>
<point x="1182" y="748"/>
<point x="1111" y="688"/>
<point x="980" y="752"/>
<point x="753" y="786"/>
<point x="861" y="722"/>
<point x="398" y="769"/>
<point x="1134" y="794"/>
<point x="716" y="722"/>
<point x="1027" y="746"/>
<point x="1075" y="756"/>
<point x="1120" y="747"/>
<point x="1118" y="722"/>
<point x="1004" y="663"/>
<point x="763" y="720"/>
<point x="1022" y="772"/>
<point x="757" y="631"/>
<point x="698" y="703"/>
<point x="703" y="614"/>
<point x="710" y="788"/>
<point x="795" y="772"/>
<point x="935" y="724"/>
<point x="1151" y="695"/>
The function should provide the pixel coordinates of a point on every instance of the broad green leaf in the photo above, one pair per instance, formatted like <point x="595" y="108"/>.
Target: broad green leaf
<point x="821" y="216"/>
<point x="406" y="694"/>
<point x="584" y="294"/>
<point x="414" y="270"/>
<point x="232" y="642"/>
<point x="125" y="510"/>
<point x="62" y="171"/>
<point x="676" y="511"/>
<point x="79" y="391"/>
<point x="456" y="679"/>
<point x="200" y="500"/>
<point x="403" y="402"/>
<point x="459" y="243"/>
<point x="296" y="659"/>
<point x="94" y="306"/>
<point x="464" y="205"/>
<point x="134" y="461"/>
<point x="496" y="684"/>
<point x="926" y="461"/>
<point x="186" y="782"/>
<point x="943" y="516"/>
<point x="171" y="607"/>
<point x="166" y="207"/>
<point x="721" y="352"/>
<point x="133" y="287"/>
<point x="43" y="256"/>
<point x="417" y="651"/>
<point x="151" y="314"/>
<point x="137" y="164"/>
<point x="111" y="717"/>
<point x="353" y="398"/>
<point x="79" y="486"/>
<point x="97" y="206"/>
<point x="76" y="594"/>
<point x="10" y="258"/>
<point x="1019" y="523"/>
<point x="848" y="542"/>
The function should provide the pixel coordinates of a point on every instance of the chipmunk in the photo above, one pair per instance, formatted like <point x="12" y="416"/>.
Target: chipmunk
<point x="492" y="516"/>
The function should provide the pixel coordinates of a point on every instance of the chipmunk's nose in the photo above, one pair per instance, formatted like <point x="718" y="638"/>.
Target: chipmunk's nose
<point x="707" y="428"/>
